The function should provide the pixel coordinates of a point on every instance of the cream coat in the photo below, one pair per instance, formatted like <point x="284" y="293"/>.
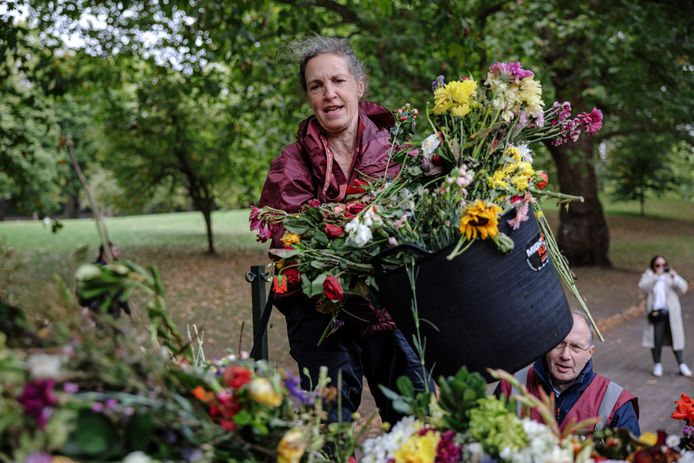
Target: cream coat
<point x="675" y="285"/>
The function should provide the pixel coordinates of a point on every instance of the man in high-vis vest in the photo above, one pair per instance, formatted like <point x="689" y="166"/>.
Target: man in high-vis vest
<point x="567" y="372"/>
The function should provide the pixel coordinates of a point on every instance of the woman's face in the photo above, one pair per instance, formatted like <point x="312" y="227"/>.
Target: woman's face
<point x="333" y="93"/>
<point x="659" y="265"/>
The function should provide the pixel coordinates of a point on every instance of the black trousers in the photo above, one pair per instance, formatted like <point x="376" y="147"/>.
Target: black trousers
<point x="661" y="331"/>
<point x="380" y="358"/>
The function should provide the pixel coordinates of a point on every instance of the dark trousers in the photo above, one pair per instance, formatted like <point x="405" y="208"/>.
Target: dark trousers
<point x="380" y="357"/>
<point x="661" y="331"/>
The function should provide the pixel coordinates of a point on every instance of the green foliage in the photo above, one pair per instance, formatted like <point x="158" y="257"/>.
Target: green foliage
<point x="460" y="394"/>
<point x="495" y="425"/>
<point x="639" y="167"/>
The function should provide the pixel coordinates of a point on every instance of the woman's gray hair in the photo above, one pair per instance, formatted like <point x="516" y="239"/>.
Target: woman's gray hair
<point x="307" y="49"/>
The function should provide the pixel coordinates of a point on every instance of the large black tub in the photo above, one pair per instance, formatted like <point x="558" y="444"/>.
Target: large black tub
<point x="491" y="310"/>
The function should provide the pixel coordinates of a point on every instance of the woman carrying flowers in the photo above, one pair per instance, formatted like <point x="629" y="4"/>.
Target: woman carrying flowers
<point x="345" y="142"/>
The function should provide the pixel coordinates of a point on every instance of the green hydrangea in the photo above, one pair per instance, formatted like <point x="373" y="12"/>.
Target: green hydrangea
<point x="496" y="427"/>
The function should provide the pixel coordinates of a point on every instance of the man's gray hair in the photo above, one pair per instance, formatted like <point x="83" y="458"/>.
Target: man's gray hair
<point x="307" y="49"/>
<point x="584" y="317"/>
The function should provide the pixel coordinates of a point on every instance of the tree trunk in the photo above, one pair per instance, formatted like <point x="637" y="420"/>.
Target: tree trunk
<point x="642" y="204"/>
<point x="207" y="214"/>
<point x="72" y="208"/>
<point x="583" y="234"/>
<point x="2" y="209"/>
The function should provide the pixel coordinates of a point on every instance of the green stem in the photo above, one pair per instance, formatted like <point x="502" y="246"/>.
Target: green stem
<point x="562" y="266"/>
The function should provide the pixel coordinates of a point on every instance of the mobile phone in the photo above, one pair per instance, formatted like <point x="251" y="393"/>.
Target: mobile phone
<point x="666" y="268"/>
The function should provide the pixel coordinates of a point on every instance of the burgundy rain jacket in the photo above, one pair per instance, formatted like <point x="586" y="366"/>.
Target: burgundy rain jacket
<point x="302" y="173"/>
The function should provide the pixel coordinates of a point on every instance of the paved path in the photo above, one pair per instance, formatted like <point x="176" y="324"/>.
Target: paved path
<point x="622" y="359"/>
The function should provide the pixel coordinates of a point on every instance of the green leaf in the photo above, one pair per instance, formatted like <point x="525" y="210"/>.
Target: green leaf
<point x="405" y="386"/>
<point x="94" y="434"/>
<point x="139" y="432"/>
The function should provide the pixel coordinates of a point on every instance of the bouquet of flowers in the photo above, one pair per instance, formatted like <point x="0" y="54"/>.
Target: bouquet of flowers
<point x="472" y="171"/>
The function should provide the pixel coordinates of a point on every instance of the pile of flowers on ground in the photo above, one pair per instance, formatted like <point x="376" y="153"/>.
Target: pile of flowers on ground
<point x="87" y="387"/>
<point x="472" y="170"/>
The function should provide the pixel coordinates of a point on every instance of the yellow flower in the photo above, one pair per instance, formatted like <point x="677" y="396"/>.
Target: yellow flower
<point x="520" y="182"/>
<point x="418" y="449"/>
<point x="530" y="93"/>
<point x="290" y="238"/>
<point x="498" y="180"/>
<point x="513" y="152"/>
<point x="261" y="390"/>
<point x="292" y="447"/>
<point x="60" y="459"/>
<point x="480" y="219"/>
<point x="458" y="97"/>
<point x="649" y="438"/>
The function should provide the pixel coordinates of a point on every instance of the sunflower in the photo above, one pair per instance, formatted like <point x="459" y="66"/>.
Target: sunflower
<point x="481" y="218"/>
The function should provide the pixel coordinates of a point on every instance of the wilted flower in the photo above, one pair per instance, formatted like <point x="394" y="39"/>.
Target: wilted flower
<point x="261" y="390"/>
<point x="291" y="447"/>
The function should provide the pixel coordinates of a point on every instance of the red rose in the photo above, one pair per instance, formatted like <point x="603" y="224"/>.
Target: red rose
<point x="279" y="284"/>
<point x="356" y="187"/>
<point x="333" y="231"/>
<point x="332" y="289"/>
<point x="236" y="376"/>
<point x="437" y="160"/>
<point x="313" y="203"/>
<point x="355" y="208"/>
<point x="292" y="275"/>
<point x="541" y="182"/>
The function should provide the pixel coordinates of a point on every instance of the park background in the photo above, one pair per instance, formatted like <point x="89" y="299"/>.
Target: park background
<point x="174" y="111"/>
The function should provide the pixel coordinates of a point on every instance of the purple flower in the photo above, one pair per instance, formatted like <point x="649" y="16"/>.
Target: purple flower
<point x="438" y="83"/>
<point x="71" y="388"/>
<point x="97" y="407"/>
<point x="111" y="404"/>
<point x="292" y="385"/>
<point x="688" y="431"/>
<point x="513" y="71"/>
<point x="38" y="400"/>
<point x="38" y="458"/>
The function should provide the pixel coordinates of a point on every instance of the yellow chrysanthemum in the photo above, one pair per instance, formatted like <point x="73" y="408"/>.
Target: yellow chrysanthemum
<point x="520" y="182"/>
<point x="292" y="447"/>
<point x="530" y="93"/>
<point x="480" y="219"/>
<point x="513" y="152"/>
<point x="458" y="97"/>
<point x="418" y="449"/>
<point x="290" y="238"/>
<point x="498" y="180"/>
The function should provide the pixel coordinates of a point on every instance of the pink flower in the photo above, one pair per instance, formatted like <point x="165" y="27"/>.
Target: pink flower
<point x="513" y="71"/>
<point x="591" y="122"/>
<point x="313" y="202"/>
